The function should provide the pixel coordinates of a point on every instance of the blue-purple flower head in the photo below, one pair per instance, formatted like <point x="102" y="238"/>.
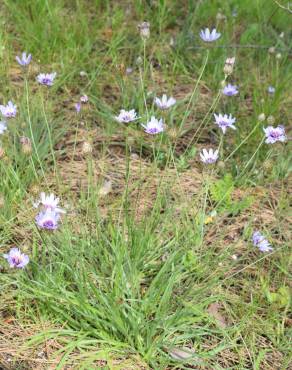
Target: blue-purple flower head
<point x="49" y="216"/>
<point x="154" y="126"/>
<point x="9" y="110"/>
<point x="126" y="116"/>
<point x="261" y="242"/>
<point x="16" y="259"/>
<point x="46" y="78"/>
<point x="224" y="121"/>
<point x="165" y="102"/>
<point x="209" y="157"/>
<point x="48" y="220"/>
<point x="77" y="107"/>
<point x="274" y="134"/>
<point x="3" y="127"/>
<point x="230" y="90"/>
<point x="271" y="90"/>
<point x="209" y="36"/>
<point x="24" y="60"/>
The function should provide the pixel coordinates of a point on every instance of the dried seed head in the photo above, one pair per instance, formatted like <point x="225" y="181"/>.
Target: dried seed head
<point x="144" y="29"/>
<point x="2" y="152"/>
<point x="272" y="50"/>
<point x="271" y="120"/>
<point x="34" y="189"/>
<point x="261" y="117"/>
<point x="268" y="165"/>
<point x="173" y="133"/>
<point x="86" y="148"/>
<point x="220" y="17"/>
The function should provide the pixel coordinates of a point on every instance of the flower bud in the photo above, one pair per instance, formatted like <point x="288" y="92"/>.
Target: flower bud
<point x="278" y="56"/>
<point x="25" y="145"/>
<point x="144" y="29"/>
<point x="228" y="67"/>
<point x="261" y="117"/>
<point x="271" y="120"/>
<point x="139" y="60"/>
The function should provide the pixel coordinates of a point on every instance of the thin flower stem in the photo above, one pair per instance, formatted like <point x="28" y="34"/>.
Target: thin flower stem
<point x="50" y="135"/>
<point x="243" y="141"/>
<point x="252" y="157"/>
<point x="187" y="113"/>
<point x="31" y="131"/>
<point x="206" y="119"/>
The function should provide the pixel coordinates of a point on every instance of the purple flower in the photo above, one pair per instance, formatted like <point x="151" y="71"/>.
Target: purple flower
<point x="16" y="259"/>
<point x="3" y="127"/>
<point x="24" y="60"/>
<point x="224" y="121"/>
<point x="49" y="202"/>
<point x="164" y="103"/>
<point x="209" y="157"/>
<point x="84" y="99"/>
<point x="78" y="107"/>
<point x="9" y="110"/>
<point x="260" y="242"/>
<point x="46" y="78"/>
<point x="230" y="90"/>
<point x="154" y="126"/>
<point x="48" y="219"/>
<point x="126" y="116"/>
<point x="208" y="36"/>
<point x="274" y="134"/>
<point x="271" y="90"/>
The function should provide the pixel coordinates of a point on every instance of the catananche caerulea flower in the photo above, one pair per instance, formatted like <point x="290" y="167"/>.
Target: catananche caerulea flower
<point x="49" y="202"/>
<point x="209" y="157"/>
<point x="224" y="121"/>
<point x="208" y="36"/>
<point x="230" y="90"/>
<point x="261" y="242"/>
<point x="84" y="99"/>
<point x="271" y="90"/>
<point x="77" y="107"/>
<point x="9" y="110"/>
<point x="3" y="127"/>
<point x="154" y="126"/>
<point x="48" y="219"/>
<point x="16" y="259"/>
<point x="164" y="103"/>
<point x="46" y="78"/>
<point x="274" y="134"/>
<point x="126" y="116"/>
<point x="24" y="60"/>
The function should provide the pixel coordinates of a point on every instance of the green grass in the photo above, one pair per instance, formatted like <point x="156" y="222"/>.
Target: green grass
<point x="131" y="276"/>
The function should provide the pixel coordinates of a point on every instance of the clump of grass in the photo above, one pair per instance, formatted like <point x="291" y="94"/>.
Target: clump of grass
<point x="153" y="265"/>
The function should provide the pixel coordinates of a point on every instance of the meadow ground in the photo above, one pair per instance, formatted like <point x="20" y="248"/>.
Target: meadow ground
<point x="155" y="264"/>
